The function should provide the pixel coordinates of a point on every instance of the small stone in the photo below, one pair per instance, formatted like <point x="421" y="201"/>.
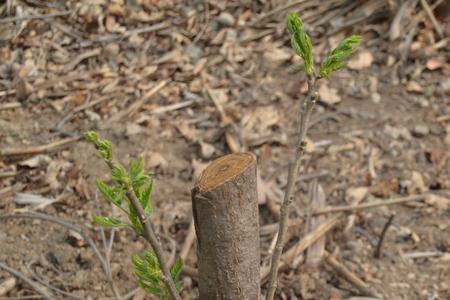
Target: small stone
<point x="397" y="132"/>
<point x="446" y="85"/>
<point x="376" y="98"/>
<point x="207" y="150"/>
<point x="194" y="52"/>
<point x="364" y="115"/>
<point x="420" y="130"/>
<point x="117" y="10"/>
<point x="226" y="19"/>
<point x="231" y="35"/>
<point x="112" y="49"/>
<point x="133" y="129"/>
<point x="75" y="239"/>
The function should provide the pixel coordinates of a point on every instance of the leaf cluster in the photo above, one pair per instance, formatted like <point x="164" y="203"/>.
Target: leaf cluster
<point x="135" y="179"/>
<point x="301" y="43"/>
<point x="126" y="183"/>
<point x="150" y="276"/>
<point x="335" y="59"/>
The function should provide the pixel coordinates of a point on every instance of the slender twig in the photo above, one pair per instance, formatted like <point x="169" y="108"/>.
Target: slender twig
<point x="432" y="18"/>
<point x="107" y="251"/>
<point x="50" y="286"/>
<point x="151" y="238"/>
<point x="137" y="105"/>
<point x="30" y="17"/>
<point x="39" y="149"/>
<point x="351" y="208"/>
<point x="21" y="276"/>
<point x="190" y="237"/>
<point x="377" y="253"/>
<point x="294" y="165"/>
<point x="304" y="244"/>
<point x="348" y="275"/>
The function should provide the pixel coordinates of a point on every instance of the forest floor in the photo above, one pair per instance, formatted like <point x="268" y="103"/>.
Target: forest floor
<point x="182" y="84"/>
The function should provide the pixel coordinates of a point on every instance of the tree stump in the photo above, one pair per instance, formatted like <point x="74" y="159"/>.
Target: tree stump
<point x="225" y="208"/>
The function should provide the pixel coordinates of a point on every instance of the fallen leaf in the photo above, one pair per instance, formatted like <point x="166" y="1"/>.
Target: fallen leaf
<point x="75" y="239"/>
<point x="329" y="95"/>
<point x="133" y="129"/>
<point x="414" y="87"/>
<point x="29" y="199"/>
<point x="445" y="257"/>
<point x="355" y="195"/>
<point x="198" y="167"/>
<point x="265" y="151"/>
<point x="384" y="188"/>
<point x="437" y="157"/>
<point x="435" y="63"/>
<point x="36" y="161"/>
<point x="277" y="56"/>
<point x="207" y="150"/>
<point x="437" y="201"/>
<point x="219" y="95"/>
<point x="405" y="234"/>
<point x="154" y="160"/>
<point x="363" y="59"/>
<point x="310" y="147"/>
<point x="418" y="184"/>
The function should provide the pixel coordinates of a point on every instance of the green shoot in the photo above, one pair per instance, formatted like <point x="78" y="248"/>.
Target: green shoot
<point x="302" y="46"/>
<point x="335" y="59"/>
<point x="136" y="184"/>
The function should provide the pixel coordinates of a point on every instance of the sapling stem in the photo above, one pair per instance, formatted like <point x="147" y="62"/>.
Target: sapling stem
<point x="150" y="236"/>
<point x="294" y="165"/>
<point x="302" y="45"/>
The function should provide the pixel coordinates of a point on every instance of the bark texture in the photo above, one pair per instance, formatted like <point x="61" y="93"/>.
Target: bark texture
<point x="225" y="208"/>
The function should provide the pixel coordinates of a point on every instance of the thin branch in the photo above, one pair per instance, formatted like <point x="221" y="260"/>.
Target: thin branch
<point x="435" y="22"/>
<point x="30" y="17"/>
<point x="377" y="253"/>
<point x="50" y="286"/>
<point x="39" y="149"/>
<point x="294" y="165"/>
<point x="21" y="276"/>
<point x="304" y="244"/>
<point x="189" y="240"/>
<point x="348" y="275"/>
<point x="107" y="257"/>
<point x="351" y="208"/>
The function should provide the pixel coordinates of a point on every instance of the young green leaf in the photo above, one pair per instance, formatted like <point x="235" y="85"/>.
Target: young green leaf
<point x="335" y="59"/>
<point x="144" y="198"/>
<point x="104" y="147"/>
<point x="119" y="174"/>
<point x="107" y="221"/>
<point x="300" y="41"/>
<point x="150" y="275"/>
<point x="136" y="167"/>
<point x="109" y="193"/>
<point x="92" y="137"/>
<point x="294" y="23"/>
<point x="176" y="269"/>
<point x="132" y="216"/>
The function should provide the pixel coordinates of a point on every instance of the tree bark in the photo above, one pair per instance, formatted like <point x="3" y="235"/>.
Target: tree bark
<point x="225" y="208"/>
